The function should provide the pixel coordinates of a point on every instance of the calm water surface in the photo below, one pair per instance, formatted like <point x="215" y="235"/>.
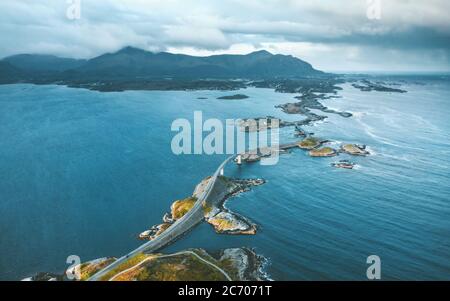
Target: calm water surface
<point x="84" y="172"/>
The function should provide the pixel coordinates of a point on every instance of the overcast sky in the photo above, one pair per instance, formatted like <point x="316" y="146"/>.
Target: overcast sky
<point x="333" y="35"/>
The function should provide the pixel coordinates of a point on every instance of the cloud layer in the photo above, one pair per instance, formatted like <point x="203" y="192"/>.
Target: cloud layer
<point x="332" y="35"/>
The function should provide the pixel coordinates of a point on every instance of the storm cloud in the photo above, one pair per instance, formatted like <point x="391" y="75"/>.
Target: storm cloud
<point x="332" y="35"/>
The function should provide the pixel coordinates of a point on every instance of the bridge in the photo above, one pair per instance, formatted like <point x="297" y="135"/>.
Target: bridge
<point x="178" y="228"/>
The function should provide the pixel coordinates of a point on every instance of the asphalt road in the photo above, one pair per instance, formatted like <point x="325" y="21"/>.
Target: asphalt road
<point x="181" y="226"/>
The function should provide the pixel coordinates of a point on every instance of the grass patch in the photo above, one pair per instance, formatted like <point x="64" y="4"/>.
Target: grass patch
<point x="309" y="143"/>
<point x="325" y="151"/>
<point x="87" y="269"/>
<point x="221" y="224"/>
<point x="127" y="264"/>
<point x="181" y="207"/>
<point x="184" y="267"/>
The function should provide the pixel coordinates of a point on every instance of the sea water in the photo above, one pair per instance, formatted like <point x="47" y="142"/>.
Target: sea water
<point x="83" y="173"/>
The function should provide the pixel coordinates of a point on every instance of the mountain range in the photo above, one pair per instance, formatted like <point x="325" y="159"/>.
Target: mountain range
<point x="132" y="64"/>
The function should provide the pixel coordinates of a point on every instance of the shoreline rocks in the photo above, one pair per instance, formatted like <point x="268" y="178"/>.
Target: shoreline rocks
<point x="246" y="262"/>
<point x="223" y="220"/>
<point x="226" y="222"/>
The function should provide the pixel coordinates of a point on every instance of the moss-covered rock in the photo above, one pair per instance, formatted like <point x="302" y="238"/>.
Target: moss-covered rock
<point x="309" y="143"/>
<point x="355" y="149"/>
<point x="231" y="223"/>
<point x="181" y="207"/>
<point x="323" y="152"/>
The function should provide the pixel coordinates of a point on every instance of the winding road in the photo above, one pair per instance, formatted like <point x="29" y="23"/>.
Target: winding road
<point x="172" y="255"/>
<point x="181" y="226"/>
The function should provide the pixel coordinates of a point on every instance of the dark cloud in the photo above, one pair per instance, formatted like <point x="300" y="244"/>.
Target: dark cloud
<point x="332" y="35"/>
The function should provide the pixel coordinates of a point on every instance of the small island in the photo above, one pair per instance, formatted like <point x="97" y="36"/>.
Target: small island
<point x="236" y="96"/>
<point x="310" y="143"/>
<point x="223" y="220"/>
<point x="323" y="152"/>
<point x="355" y="149"/>
<point x="368" y="86"/>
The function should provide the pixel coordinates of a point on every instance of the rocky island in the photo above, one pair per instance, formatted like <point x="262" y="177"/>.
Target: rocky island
<point x="310" y="143"/>
<point x="368" y="86"/>
<point x="355" y="149"/>
<point x="223" y="220"/>
<point x="231" y="97"/>
<point x="323" y="152"/>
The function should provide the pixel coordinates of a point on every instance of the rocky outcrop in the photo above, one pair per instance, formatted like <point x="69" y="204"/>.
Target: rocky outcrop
<point x="236" y="96"/>
<point x="226" y="222"/>
<point x="246" y="262"/>
<point x="310" y="143"/>
<point x="223" y="220"/>
<point x="355" y="149"/>
<point x="154" y="231"/>
<point x="368" y="86"/>
<point x="323" y="152"/>
<point x="263" y="124"/>
<point x="308" y="101"/>
<point x="178" y="209"/>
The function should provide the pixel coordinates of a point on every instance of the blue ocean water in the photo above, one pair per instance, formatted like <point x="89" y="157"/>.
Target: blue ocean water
<point x="84" y="172"/>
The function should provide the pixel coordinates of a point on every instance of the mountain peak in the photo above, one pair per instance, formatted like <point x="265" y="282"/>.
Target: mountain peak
<point x="260" y="53"/>
<point x="130" y="50"/>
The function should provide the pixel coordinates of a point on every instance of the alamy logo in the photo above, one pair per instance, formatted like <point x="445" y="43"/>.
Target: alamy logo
<point x="373" y="11"/>
<point x="374" y="270"/>
<point x="250" y="138"/>
<point x="73" y="11"/>
<point x="73" y="272"/>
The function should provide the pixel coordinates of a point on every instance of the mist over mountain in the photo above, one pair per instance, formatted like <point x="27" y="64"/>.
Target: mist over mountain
<point x="133" y="64"/>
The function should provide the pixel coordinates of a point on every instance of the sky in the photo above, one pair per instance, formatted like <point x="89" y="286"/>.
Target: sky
<point x="332" y="35"/>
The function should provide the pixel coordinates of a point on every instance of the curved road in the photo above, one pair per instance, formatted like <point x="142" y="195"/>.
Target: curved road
<point x="181" y="226"/>
<point x="172" y="255"/>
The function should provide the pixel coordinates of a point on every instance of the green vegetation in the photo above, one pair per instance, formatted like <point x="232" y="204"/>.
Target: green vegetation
<point x="126" y="265"/>
<point x="88" y="269"/>
<point x="309" y="143"/>
<point x="183" y="267"/>
<point x="163" y="227"/>
<point x="181" y="207"/>
<point x="323" y="152"/>
<point x="221" y="224"/>
<point x="354" y="149"/>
